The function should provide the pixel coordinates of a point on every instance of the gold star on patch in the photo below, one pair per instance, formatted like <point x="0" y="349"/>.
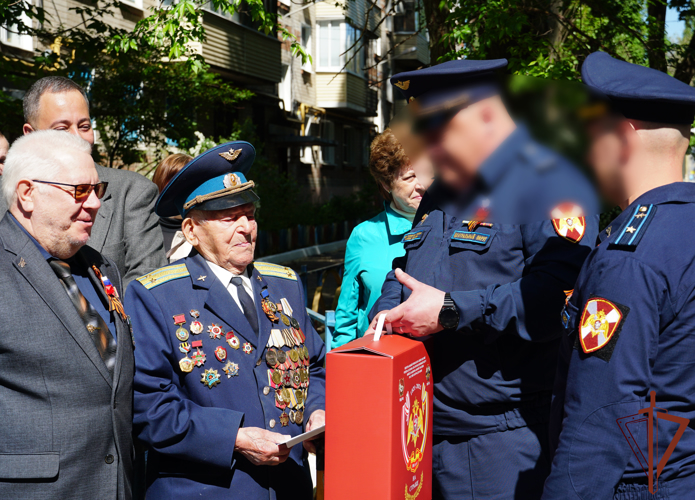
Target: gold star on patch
<point x="631" y="230"/>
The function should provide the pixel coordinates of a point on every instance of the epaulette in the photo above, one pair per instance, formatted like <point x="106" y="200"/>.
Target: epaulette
<point x="632" y="231"/>
<point x="275" y="270"/>
<point x="540" y="157"/>
<point x="156" y="278"/>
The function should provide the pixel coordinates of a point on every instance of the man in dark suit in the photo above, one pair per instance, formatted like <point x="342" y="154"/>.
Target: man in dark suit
<point x="126" y="229"/>
<point x="66" y="352"/>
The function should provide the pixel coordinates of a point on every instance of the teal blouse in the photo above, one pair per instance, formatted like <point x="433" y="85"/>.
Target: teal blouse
<point x="370" y="251"/>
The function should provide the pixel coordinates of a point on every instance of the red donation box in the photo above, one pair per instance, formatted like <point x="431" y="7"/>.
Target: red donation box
<point x="379" y="420"/>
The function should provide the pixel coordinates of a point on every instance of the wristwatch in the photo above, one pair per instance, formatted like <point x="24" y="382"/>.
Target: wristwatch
<point x="448" y="316"/>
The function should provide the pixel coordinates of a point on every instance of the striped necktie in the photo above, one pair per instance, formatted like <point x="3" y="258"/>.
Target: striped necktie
<point x="97" y="328"/>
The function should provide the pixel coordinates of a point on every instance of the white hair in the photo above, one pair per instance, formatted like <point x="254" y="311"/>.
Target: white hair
<point x="39" y="156"/>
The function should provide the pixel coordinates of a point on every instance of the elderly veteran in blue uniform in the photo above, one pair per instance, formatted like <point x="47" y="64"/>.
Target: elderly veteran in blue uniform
<point x="228" y="365"/>
<point x="500" y="237"/>
<point x="627" y="362"/>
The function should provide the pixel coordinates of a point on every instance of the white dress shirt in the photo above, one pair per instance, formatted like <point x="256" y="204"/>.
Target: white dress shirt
<point x="225" y="278"/>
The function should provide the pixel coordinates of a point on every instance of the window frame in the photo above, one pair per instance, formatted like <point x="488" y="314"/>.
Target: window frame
<point x="26" y="41"/>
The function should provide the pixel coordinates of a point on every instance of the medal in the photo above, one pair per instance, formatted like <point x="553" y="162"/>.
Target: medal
<point x="286" y="379"/>
<point x="281" y="356"/>
<point x="231" y="369"/>
<point x="199" y="356"/>
<point x="306" y="354"/>
<point x="279" y="400"/>
<point x="215" y="331"/>
<point x="299" y="396"/>
<point x="232" y="340"/>
<point x="285" y="319"/>
<point x="248" y="348"/>
<point x="284" y="419"/>
<point x="286" y="395"/>
<point x="179" y="319"/>
<point x="294" y="355"/>
<point x="271" y="357"/>
<point x="271" y="383"/>
<point x="220" y="353"/>
<point x="294" y="323"/>
<point x="276" y="335"/>
<point x="299" y="417"/>
<point x="277" y="377"/>
<point x="296" y="379"/>
<point x="186" y="364"/>
<point x="292" y="416"/>
<point x="185" y="347"/>
<point x="182" y="334"/>
<point x="196" y="327"/>
<point x="194" y="313"/>
<point x="269" y="309"/>
<point x="210" y="378"/>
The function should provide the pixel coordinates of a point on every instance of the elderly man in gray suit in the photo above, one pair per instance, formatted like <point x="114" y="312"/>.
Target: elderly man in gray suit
<point x="126" y="229"/>
<point x="66" y="351"/>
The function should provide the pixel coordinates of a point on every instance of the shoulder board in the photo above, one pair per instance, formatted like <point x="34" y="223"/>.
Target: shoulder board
<point x="634" y="229"/>
<point x="160" y="276"/>
<point x="275" y="270"/>
<point x="540" y="157"/>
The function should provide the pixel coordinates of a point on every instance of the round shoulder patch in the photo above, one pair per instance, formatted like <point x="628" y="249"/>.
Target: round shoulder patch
<point x="569" y="222"/>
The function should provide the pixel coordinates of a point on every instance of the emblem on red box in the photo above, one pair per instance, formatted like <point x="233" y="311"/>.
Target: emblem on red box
<point x="414" y="428"/>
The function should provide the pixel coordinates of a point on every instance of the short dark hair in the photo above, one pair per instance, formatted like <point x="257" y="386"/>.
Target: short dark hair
<point x="52" y="84"/>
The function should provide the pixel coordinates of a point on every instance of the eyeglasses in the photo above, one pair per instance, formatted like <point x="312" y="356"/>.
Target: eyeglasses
<point x="80" y="191"/>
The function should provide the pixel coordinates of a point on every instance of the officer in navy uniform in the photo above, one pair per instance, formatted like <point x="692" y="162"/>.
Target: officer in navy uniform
<point x="499" y="238"/>
<point x="228" y="364"/>
<point x="627" y="360"/>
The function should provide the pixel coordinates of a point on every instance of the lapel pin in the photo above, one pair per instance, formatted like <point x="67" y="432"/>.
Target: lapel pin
<point x="201" y="278"/>
<point x="22" y="262"/>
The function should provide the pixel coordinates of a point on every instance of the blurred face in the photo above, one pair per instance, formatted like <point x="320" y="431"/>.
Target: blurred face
<point x="224" y="237"/>
<point x="606" y="154"/>
<point x="66" y="111"/>
<point x="455" y="148"/>
<point x="4" y="147"/>
<point x="59" y="223"/>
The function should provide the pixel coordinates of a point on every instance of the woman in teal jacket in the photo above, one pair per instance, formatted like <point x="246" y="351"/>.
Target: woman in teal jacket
<point x="375" y="243"/>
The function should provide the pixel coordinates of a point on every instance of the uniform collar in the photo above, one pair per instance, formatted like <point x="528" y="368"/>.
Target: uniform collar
<point x="396" y="224"/>
<point x="226" y="276"/>
<point x="669" y="193"/>
<point x="495" y="165"/>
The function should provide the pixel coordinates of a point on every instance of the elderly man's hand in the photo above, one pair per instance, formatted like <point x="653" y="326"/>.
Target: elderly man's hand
<point x="317" y="419"/>
<point x="419" y="315"/>
<point x="260" y="446"/>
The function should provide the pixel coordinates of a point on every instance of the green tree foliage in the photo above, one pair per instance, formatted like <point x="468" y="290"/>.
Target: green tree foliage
<point x="550" y="38"/>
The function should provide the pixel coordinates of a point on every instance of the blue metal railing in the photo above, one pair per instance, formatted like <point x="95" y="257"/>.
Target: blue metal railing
<point x="327" y="319"/>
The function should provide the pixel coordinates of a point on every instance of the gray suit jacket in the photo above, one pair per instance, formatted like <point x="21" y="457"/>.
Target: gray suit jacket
<point x="66" y="428"/>
<point x="126" y="229"/>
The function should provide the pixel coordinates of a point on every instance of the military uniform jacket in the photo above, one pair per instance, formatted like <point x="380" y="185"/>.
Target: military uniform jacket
<point x="66" y="422"/>
<point x="191" y="426"/>
<point x="495" y="371"/>
<point x="629" y="331"/>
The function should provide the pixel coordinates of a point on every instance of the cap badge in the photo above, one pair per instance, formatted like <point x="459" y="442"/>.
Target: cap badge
<point x="231" y="155"/>
<point x="402" y="85"/>
<point x="231" y="180"/>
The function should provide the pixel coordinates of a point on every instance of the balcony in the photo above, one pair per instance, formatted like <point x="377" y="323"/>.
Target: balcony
<point x="241" y="50"/>
<point x="346" y="92"/>
<point x="413" y="52"/>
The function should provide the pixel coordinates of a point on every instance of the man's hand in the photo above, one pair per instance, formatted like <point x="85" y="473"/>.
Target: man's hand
<point x="317" y="419"/>
<point x="260" y="446"/>
<point x="372" y="326"/>
<point x="419" y="315"/>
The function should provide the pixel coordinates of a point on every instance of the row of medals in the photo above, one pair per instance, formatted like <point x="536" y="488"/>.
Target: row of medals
<point x="288" y="374"/>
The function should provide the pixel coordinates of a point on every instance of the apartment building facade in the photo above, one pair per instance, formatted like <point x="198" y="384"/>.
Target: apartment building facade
<point x="316" y="117"/>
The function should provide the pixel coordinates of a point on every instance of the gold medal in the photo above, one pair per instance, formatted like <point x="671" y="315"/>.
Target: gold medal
<point x="292" y="412"/>
<point x="299" y="396"/>
<point x="286" y="395"/>
<point x="277" y="377"/>
<point x="299" y="417"/>
<point x="271" y="357"/>
<point x="182" y="334"/>
<point x="186" y="364"/>
<point x="285" y="319"/>
<point x="294" y="355"/>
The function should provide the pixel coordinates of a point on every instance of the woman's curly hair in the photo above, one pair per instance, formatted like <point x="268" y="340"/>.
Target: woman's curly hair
<point x="386" y="161"/>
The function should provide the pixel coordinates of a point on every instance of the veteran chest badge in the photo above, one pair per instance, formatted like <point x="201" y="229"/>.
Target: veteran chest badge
<point x="600" y="325"/>
<point x="569" y="221"/>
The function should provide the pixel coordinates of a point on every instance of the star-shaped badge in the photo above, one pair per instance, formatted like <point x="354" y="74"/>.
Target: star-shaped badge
<point x="231" y="369"/>
<point x="631" y="230"/>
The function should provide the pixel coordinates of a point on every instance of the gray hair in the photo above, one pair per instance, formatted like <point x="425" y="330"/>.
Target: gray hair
<point x="52" y="84"/>
<point x="39" y="155"/>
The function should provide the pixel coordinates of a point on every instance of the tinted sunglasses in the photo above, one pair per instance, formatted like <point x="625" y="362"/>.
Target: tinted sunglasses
<point x="81" y="191"/>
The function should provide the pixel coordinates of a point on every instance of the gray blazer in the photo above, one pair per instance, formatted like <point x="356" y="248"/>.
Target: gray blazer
<point x="126" y="229"/>
<point x="66" y="428"/>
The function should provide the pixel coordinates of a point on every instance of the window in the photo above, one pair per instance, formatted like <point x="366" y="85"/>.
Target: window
<point x="406" y="18"/>
<point x="10" y="36"/>
<point x="328" y="133"/>
<point x="335" y="38"/>
<point x="211" y="8"/>
<point x="134" y="3"/>
<point x="306" y="44"/>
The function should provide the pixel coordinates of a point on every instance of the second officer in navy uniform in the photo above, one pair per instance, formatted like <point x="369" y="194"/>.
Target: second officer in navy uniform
<point x="626" y="378"/>
<point x="500" y="237"/>
<point x="228" y="365"/>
